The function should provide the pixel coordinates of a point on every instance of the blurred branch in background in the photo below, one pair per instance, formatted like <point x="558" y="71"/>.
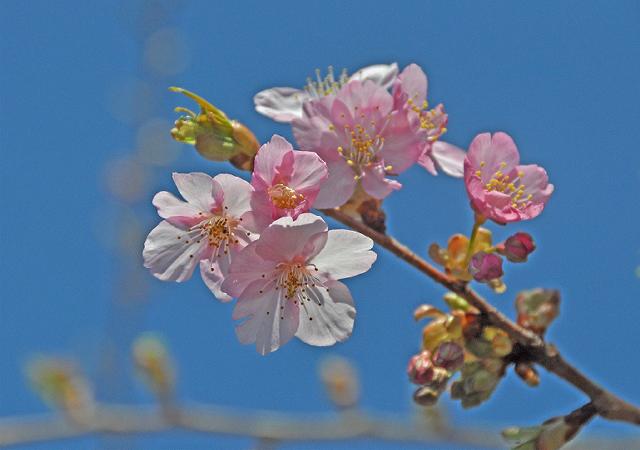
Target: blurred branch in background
<point x="60" y="384"/>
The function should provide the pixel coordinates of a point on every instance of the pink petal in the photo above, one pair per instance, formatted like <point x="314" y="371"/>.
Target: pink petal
<point x="282" y="104"/>
<point x="345" y="254"/>
<point x="195" y="188"/>
<point x="339" y="186"/>
<point x="329" y="315"/>
<point x="411" y="84"/>
<point x="270" y="160"/>
<point x="246" y="267"/>
<point x="450" y="159"/>
<point x="426" y="160"/>
<point x="375" y="183"/>
<point x="403" y="145"/>
<point x="170" y="253"/>
<point x="270" y="320"/>
<point x="492" y="151"/>
<point x="287" y="239"/>
<point x="309" y="172"/>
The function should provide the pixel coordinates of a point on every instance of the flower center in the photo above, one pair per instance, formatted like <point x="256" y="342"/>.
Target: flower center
<point x="295" y="279"/>
<point x="321" y="87"/>
<point x="218" y="231"/>
<point x="433" y="120"/>
<point x="284" y="197"/>
<point x="362" y="146"/>
<point x="501" y="182"/>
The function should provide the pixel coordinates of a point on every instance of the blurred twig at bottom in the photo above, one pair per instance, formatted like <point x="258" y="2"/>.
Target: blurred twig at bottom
<point x="271" y="426"/>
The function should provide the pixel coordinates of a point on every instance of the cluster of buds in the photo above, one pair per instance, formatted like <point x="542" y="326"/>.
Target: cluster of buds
<point x="458" y="341"/>
<point x="461" y="340"/>
<point x="478" y="259"/>
<point x="214" y="136"/>
<point x="62" y="386"/>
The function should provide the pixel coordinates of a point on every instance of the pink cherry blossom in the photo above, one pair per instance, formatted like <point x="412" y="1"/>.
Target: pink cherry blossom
<point x="499" y="188"/>
<point x="207" y="229"/>
<point x="283" y="104"/>
<point x="285" y="182"/>
<point x="361" y="137"/>
<point x="286" y="283"/>
<point x="410" y="91"/>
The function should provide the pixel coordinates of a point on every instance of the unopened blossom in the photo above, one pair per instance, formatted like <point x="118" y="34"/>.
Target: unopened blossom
<point x="283" y="104"/>
<point x="410" y="91"/>
<point x="420" y="368"/>
<point x="287" y="283"/>
<point x="499" y="188"/>
<point x="485" y="266"/>
<point x="285" y="182"/>
<point x="518" y="247"/>
<point x="208" y="229"/>
<point x="361" y="137"/>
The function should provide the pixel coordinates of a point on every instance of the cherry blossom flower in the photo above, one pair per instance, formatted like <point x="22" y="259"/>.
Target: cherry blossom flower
<point x="283" y="104"/>
<point x="499" y="188"/>
<point x="362" y="139"/>
<point x="208" y="229"/>
<point x="285" y="182"/>
<point x="410" y="91"/>
<point x="286" y="283"/>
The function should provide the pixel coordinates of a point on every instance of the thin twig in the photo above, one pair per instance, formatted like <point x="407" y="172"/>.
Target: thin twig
<point x="606" y="403"/>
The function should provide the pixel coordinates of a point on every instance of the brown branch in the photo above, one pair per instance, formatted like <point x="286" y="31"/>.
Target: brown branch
<point x="606" y="403"/>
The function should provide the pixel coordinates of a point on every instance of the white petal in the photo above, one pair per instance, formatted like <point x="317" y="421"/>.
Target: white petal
<point x="196" y="188"/>
<point x="382" y="74"/>
<point x="171" y="253"/>
<point x="346" y="254"/>
<point x="282" y="104"/>
<point x="236" y="194"/>
<point x="270" y="320"/>
<point x="449" y="158"/>
<point x="329" y="315"/>
<point x="170" y="206"/>
<point x="213" y="273"/>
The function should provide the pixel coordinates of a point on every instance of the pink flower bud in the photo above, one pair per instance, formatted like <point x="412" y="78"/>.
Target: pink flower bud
<point x="485" y="266"/>
<point x="449" y="355"/>
<point x="518" y="247"/>
<point x="420" y="369"/>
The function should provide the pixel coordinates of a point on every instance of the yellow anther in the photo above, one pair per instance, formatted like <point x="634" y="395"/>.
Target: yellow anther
<point x="284" y="197"/>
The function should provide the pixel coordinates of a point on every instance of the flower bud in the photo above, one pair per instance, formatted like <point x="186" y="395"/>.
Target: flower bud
<point x="426" y="396"/>
<point x="485" y="266"/>
<point x="152" y="361"/>
<point x="62" y="386"/>
<point x="449" y="356"/>
<point x="518" y="247"/>
<point x="537" y="308"/>
<point x="420" y="368"/>
<point x="214" y="136"/>
<point x="527" y="373"/>
<point x="341" y="381"/>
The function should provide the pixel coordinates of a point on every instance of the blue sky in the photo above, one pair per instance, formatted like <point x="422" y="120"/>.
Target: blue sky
<point x="560" y="77"/>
